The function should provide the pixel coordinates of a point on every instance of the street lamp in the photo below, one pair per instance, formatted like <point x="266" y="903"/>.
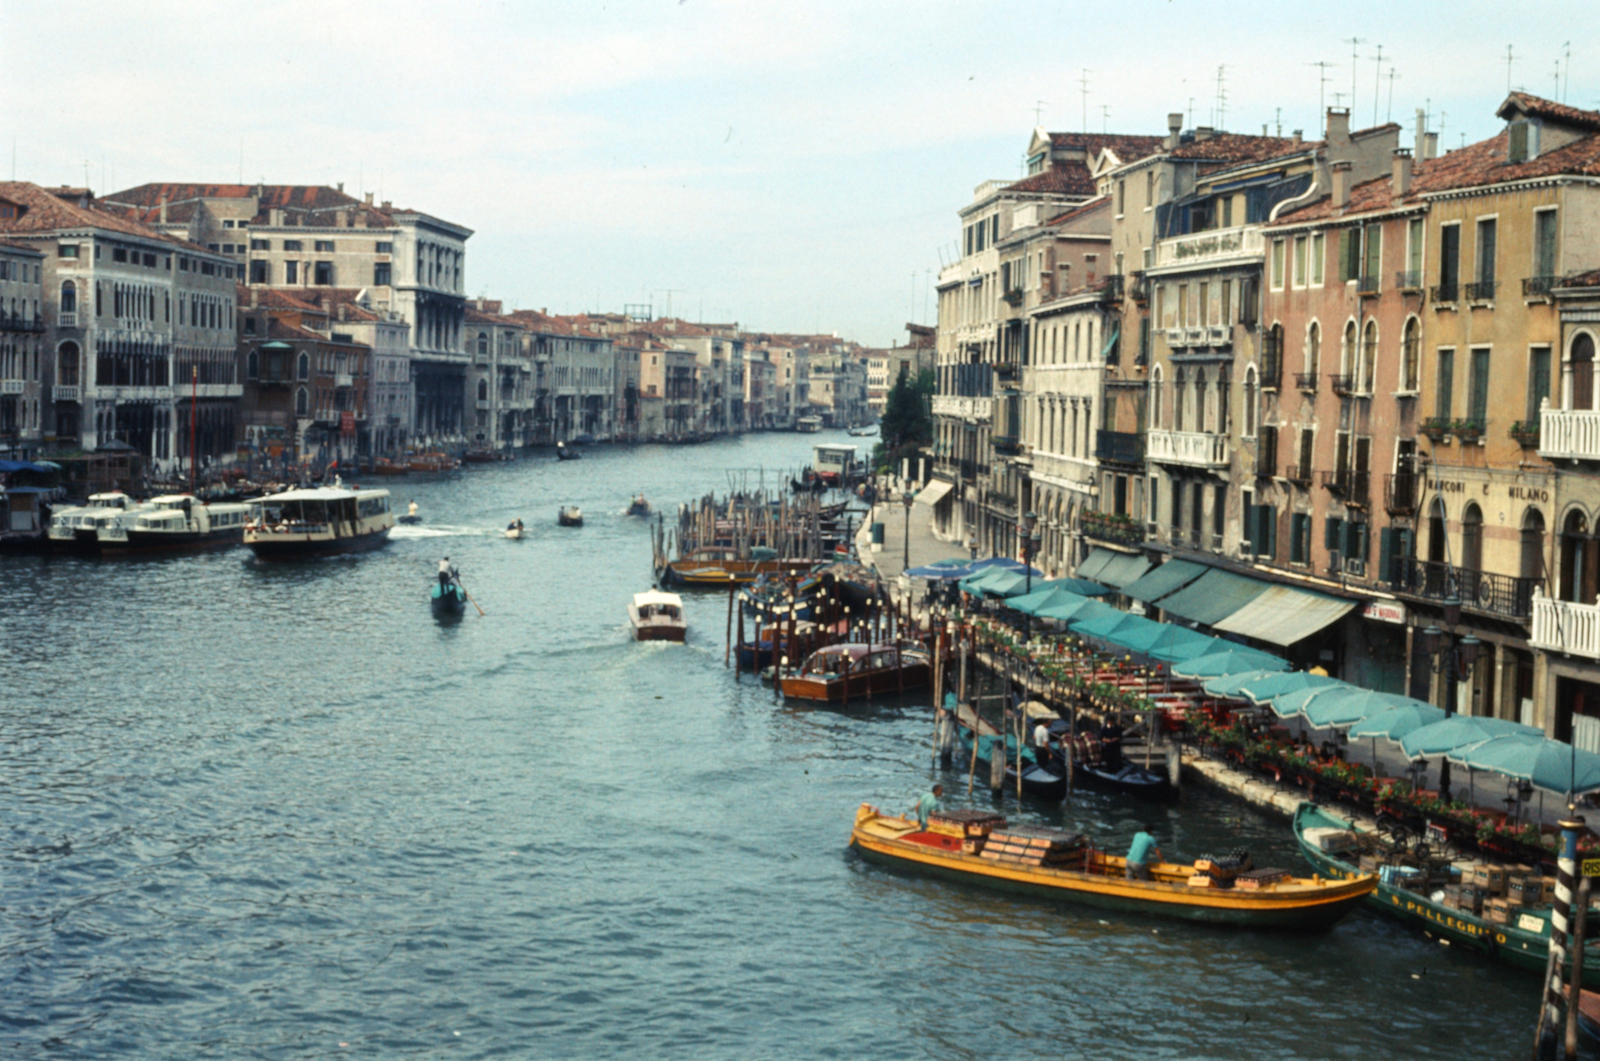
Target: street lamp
<point x="907" y="500"/>
<point x="1028" y="532"/>
<point x="1454" y="658"/>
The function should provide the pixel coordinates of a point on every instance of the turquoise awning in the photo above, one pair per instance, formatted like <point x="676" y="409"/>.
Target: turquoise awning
<point x="1212" y="597"/>
<point x="1123" y="569"/>
<point x="1094" y="563"/>
<point x="1168" y="578"/>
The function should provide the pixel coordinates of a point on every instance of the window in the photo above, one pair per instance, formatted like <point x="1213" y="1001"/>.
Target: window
<point x="1369" y="356"/>
<point x="1313" y="354"/>
<point x="1348" y="352"/>
<point x="1517" y="140"/>
<point x="227" y="224"/>
<point x="1447" y="380"/>
<point x="1478" y="398"/>
<point x="1538" y="381"/>
<point x="1544" y="243"/>
<point x="1413" y="277"/>
<point x="381" y="274"/>
<point x="324" y="246"/>
<point x="252" y="361"/>
<point x="292" y="245"/>
<point x="1373" y="262"/>
<point x="1449" y="262"/>
<point x="324" y="274"/>
<point x="69" y="297"/>
<point x="250" y="328"/>
<point x="261" y="244"/>
<point x="259" y="271"/>
<point x="1227" y="301"/>
<point x="303" y="367"/>
<point x="1318" y="252"/>
<point x="1277" y="265"/>
<point x="1300" y="275"/>
<point x="1250" y="402"/>
<point x="1411" y="356"/>
<point x="291" y="272"/>
<point x="1300" y="538"/>
<point x="120" y="254"/>
<point x="1122" y="197"/>
<point x="384" y="247"/>
<point x="1486" y="250"/>
<point x="1349" y="253"/>
<point x="302" y="401"/>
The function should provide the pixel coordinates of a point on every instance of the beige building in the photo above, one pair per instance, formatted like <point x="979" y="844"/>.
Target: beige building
<point x="24" y="356"/>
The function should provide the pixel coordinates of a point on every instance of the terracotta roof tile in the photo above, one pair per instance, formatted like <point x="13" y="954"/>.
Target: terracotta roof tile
<point x="1062" y="178"/>
<point x="1239" y="148"/>
<point x="1125" y="146"/>
<point x="1539" y="107"/>
<point x="47" y="212"/>
<point x="1485" y="163"/>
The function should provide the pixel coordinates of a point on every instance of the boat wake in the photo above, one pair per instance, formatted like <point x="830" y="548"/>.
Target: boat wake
<point x="407" y="531"/>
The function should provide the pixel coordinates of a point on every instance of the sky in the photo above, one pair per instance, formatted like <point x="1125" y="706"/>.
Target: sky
<point x="792" y="167"/>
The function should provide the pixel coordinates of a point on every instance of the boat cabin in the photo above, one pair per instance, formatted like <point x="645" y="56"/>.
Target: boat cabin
<point x="178" y="513"/>
<point x="833" y="463"/>
<point x="658" y="605"/>
<point x="301" y="511"/>
<point x="856" y="658"/>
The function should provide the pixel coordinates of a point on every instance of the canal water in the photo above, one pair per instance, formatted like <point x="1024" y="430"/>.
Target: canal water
<point x="280" y="812"/>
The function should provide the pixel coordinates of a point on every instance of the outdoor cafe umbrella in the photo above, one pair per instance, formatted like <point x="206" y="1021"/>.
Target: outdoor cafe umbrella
<point x="1397" y="721"/>
<point x="1293" y="703"/>
<point x="1233" y="685"/>
<point x="942" y="570"/>
<point x="1550" y="765"/>
<point x="1106" y="625"/>
<point x="1042" y="597"/>
<point x="1070" y="610"/>
<point x="1348" y="705"/>
<point x="1178" y="643"/>
<point x="1259" y="690"/>
<point x="1458" y="733"/>
<point x="1230" y="662"/>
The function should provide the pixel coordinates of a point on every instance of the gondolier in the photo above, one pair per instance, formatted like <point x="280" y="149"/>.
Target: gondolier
<point x="447" y="573"/>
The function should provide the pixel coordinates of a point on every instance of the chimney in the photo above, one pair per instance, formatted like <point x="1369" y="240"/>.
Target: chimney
<point x="368" y="198"/>
<point x="1203" y="132"/>
<point x="341" y="186"/>
<point x="1299" y="137"/>
<point x="1421" y="134"/>
<point x="1174" y="127"/>
<point x="1338" y="125"/>
<point x="1341" y="182"/>
<point x="163" y="209"/>
<point x="1400" y="180"/>
<point x="1430" y="146"/>
<point x="387" y="205"/>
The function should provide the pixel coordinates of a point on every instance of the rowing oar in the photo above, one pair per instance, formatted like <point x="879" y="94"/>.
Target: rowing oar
<point x="463" y="586"/>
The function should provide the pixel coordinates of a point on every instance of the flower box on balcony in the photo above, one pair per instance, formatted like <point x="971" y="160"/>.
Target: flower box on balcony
<point x="1435" y="428"/>
<point x="1526" y="433"/>
<point x="1467" y="430"/>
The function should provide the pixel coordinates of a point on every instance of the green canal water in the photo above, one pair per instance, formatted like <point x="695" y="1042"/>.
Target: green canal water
<point x="281" y="812"/>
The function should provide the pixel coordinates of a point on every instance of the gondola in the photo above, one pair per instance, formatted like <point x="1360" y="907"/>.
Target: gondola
<point x="1126" y="778"/>
<point x="1045" y="782"/>
<point x="448" y="603"/>
<point x="566" y="453"/>
<point x="638" y="506"/>
<point x="570" y="516"/>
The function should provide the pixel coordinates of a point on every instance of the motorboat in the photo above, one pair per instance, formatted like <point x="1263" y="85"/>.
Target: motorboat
<point x="514" y="530"/>
<point x="857" y="670"/>
<point x="808" y="425"/>
<point x="180" y="521"/>
<point x="566" y="453"/>
<point x="638" y="506"/>
<point x="325" y="520"/>
<point x="982" y="849"/>
<point x="570" y="516"/>
<point x="657" y="616"/>
<point x="65" y="523"/>
<point x="411" y="516"/>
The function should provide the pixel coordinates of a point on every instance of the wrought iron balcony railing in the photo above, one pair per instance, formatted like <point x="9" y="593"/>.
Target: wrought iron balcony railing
<point x="1538" y="286"/>
<point x="1408" y="280"/>
<point x="1306" y="381"/>
<point x="1484" y="591"/>
<point x="1400" y="493"/>
<point x="1481" y="290"/>
<point x="1444" y="293"/>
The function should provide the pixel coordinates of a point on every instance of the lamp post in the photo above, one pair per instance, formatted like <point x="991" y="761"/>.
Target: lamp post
<point x="1454" y="658"/>
<point x="1028" y="533"/>
<point x="907" y="500"/>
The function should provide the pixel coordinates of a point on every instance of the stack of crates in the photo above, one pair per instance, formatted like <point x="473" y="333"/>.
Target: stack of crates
<point x="1037" y="846"/>
<point x="972" y="826"/>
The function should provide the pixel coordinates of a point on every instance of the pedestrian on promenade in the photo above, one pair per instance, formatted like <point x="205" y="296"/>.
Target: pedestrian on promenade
<point x="1140" y="852"/>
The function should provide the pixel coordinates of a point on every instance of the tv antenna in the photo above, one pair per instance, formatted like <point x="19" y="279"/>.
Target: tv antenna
<point x="1389" y="114"/>
<point x="1083" y="89"/>
<point x="1221" y="109"/>
<point x="1510" y="58"/>
<point x="1354" y="42"/>
<point x="1377" y="79"/>
<point x="1038" y="110"/>
<point x="1322" y="66"/>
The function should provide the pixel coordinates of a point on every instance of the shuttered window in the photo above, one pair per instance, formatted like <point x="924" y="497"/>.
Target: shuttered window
<point x="1478" y="404"/>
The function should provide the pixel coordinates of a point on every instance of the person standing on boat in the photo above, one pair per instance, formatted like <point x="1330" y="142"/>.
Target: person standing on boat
<point x="1140" y="853"/>
<point x="928" y="804"/>
<point x="412" y="510"/>
<point x="1041" y="742"/>
<point x="447" y="573"/>
<point x="1111" y="744"/>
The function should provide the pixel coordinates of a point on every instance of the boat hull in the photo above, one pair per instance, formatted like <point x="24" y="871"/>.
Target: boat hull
<point x="861" y="686"/>
<point x="189" y="541"/>
<point x="1301" y="906"/>
<point x="1128" y="780"/>
<point x="292" y="546"/>
<point x="1505" y="943"/>
<point x="1036" y="780"/>
<point x="448" y="604"/>
<point x="660" y="632"/>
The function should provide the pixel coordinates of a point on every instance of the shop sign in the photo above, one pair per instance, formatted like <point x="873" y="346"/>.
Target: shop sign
<point x="1591" y="867"/>
<point x="1385" y="611"/>
<point x="1515" y="492"/>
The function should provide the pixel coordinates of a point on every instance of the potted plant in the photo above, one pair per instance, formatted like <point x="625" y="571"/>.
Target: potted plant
<point x="1526" y="433"/>
<point x="1467" y="430"/>
<point x="1435" y="427"/>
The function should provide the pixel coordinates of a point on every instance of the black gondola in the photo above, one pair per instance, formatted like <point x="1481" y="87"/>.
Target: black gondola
<point x="1041" y="781"/>
<point x="566" y="452"/>
<point x="449" y="603"/>
<point x="1128" y="779"/>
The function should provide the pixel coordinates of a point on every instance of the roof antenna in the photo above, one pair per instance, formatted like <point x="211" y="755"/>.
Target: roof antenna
<point x="1377" y="81"/>
<point x="1083" y="83"/>
<point x="1278" y="118"/>
<point x="1389" y="114"/>
<point x="1105" y="117"/>
<point x="1222" y="97"/>
<point x="1509" y="59"/>
<point x="1322" y="91"/>
<point x="1038" y="110"/>
<point x="1354" y="56"/>
<point x="1566" y="81"/>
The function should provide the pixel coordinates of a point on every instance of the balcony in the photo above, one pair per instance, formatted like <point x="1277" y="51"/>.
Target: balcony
<point x="14" y="323"/>
<point x="1003" y="444"/>
<point x="1538" y="286"/>
<point x="1400" y="493"/>
<point x="13" y="386"/>
<point x="1569" y="434"/>
<point x="1408" y="280"/>
<point x="1194" y="449"/>
<point x="65" y="393"/>
<point x="1298" y="474"/>
<point x="1111" y="289"/>
<point x="1502" y="595"/>
<point x="1525" y="433"/>
<point x="483" y="403"/>
<point x="1367" y="285"/>
<point x="1213" y="246"/>
<point x="1139" y="288"/>
<point x="1013" y="297"/>
<point x="343" y="379"/>
<point x="1444" y="293"/>
<point x="1567" y="627"/>
<point x="969" y="471"/>
<point x="961" y="408"/>
<point x="69" y="319"/>
<point x="1108" y="527"/>
<point x="1306" y="381"/>
<point x="1121" y="447"/>
<point x="1481" y="290"/>
<point x="1348" y="484"/>
<point x="1343" y="385"/>
<point x="1266" y="451"/>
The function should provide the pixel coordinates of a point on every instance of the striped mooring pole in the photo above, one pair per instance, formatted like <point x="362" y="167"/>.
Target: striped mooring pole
<point x="1561" y="919"/>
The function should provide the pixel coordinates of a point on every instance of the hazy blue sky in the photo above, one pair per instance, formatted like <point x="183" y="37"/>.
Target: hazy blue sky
<point x="791" y="166"/>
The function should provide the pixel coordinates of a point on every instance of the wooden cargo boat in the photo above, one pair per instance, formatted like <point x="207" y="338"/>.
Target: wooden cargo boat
<point x="299" y="524"/>
<point x="657" y="616"/>
<point x="718" y="566"/>
<point x="840" y="673"/>
<point x="1523" y="940"/>
<point x="958" y="850"/>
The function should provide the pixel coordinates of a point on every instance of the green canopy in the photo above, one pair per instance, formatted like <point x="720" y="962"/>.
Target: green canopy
<point x="1180" y="643"/>
<point x="1233" y="661"/>
<point x="1259" y="690"/>
<point x="1081" y="609"/>
<point x="1348" y="705"/>
<point x="1168" y="578"/>
<point x="1397" y="721"/>
<point x="1551" y="765"/>
<point x="1232" y="685"/>
<point x="1110" y="626"/>
<point x="1457" y="733"/>
<point x="1040" y="599"/>
<point x="1212" y="597"/>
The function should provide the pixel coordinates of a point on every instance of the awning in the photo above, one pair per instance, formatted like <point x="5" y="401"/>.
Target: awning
<point x="934" y="492"/>
<point x="1111" y="341"/>
<point x="1168" y="578"/>
<point x="1212" y="597"/>
<point x="1284" y="615"/>
<point x="1094" y="563"/>
<point x="1113" y="569"/>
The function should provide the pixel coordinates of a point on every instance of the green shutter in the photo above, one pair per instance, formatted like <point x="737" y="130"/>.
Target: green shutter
<point x="1269" y="531"/>
<point x="1385" y="554"/>
<point x="1331" y="529"/>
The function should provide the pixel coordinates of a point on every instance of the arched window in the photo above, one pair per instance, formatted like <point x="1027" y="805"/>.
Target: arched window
<point x="1180" y="396"/>
<point x="1411" y="355"/>
<point x="1531" y="564"/>
<point x="1369" y="357"/>
<point x="1224" y="417"/>
<point x="1472" y="540"/>
<point x="1313" y="355"/>
<point x="1347" y="351"/>
<point x="303" y="368"/>
<point x="1577" y="574"/>
<point x="1157" y="411"/>
<point x="483" y="343"/>
<point x="1583" y="371"/>
<point x="1436" y="532"/>
<point x="67" y="364"/>
<point x="252" y="365"/>
<point x="302" y="401"/>
<point x="1250" y="402"/>
<point x="483" y="390"/>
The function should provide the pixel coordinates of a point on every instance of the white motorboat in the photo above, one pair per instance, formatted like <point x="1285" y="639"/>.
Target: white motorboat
<point x="77" y="529"/>
<point x="657" y="616"/>
<point x="298" y="524"/>
<point x="182" y="521"/>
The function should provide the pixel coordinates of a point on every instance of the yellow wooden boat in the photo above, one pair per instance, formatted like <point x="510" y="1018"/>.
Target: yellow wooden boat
<point x="955" y="852"/>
